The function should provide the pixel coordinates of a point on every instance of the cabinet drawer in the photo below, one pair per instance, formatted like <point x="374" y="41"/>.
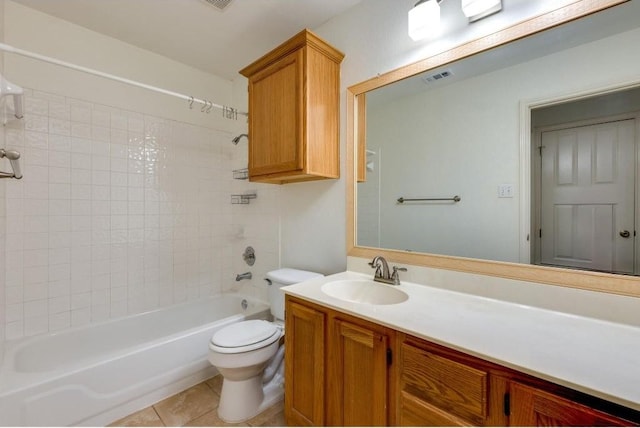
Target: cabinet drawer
<point x="458" y="389"/>
<point x="415" y="413"/>
<point x="534" y="407"/>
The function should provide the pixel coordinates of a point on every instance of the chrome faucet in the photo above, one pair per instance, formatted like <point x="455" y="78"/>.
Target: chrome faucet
<point x="382" y="273"/>
<point x="241" y="276"/>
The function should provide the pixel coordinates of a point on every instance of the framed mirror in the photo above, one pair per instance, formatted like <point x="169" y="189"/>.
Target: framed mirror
<point x="443" y="155"/>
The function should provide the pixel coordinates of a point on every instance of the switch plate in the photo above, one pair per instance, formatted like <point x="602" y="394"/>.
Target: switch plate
<point x="505" y="191"/>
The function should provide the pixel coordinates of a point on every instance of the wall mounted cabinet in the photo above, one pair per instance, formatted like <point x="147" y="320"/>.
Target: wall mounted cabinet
<point x="345" y="371"/>
<point x="294" y="107"/>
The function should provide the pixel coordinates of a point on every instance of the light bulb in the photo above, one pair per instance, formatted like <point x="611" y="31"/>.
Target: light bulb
<point x="424" y="19"/>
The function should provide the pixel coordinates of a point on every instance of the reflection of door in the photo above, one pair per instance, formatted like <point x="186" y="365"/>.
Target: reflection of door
<point x="587" y="197"/>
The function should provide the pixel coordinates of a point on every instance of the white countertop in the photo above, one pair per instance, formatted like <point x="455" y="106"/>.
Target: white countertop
<point x="596" y="357"/>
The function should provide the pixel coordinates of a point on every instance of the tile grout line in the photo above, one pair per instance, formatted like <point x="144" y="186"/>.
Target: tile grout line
<point x="158" y="415"/>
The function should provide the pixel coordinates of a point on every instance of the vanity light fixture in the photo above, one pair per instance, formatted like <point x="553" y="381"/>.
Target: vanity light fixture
<point x="478" y="9"/>
<point x="424" y="19"/>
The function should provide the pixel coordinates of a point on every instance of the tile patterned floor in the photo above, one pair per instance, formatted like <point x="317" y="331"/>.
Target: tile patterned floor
<point x="196" y="407"/>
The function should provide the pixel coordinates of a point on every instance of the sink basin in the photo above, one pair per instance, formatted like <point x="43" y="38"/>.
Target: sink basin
<point x="364" y="291"/>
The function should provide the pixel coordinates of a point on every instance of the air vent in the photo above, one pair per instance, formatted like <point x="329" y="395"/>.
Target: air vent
<point x="437" y="76"/>
<point x="219" y="4"/>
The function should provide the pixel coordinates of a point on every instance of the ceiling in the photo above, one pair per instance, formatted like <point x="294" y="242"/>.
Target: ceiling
<point x="194" y="32"/>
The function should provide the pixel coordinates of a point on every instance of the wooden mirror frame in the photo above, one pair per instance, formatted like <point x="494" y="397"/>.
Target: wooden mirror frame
<point x="594" y="281"/>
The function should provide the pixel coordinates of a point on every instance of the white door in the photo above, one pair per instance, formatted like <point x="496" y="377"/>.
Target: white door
<point x="587" y="197"/>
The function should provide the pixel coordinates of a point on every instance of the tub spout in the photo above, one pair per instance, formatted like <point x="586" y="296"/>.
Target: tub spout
<point x="241" y="276"/>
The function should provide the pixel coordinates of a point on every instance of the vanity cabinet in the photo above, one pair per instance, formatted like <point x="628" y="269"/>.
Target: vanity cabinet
<point x="304" y="365"/>
<point x="294" y="107"/>
<point x="358" y="379"/>
<point x="344" y="371"/>
<point x="442" y="387"/>
<point x="343" y="381"/>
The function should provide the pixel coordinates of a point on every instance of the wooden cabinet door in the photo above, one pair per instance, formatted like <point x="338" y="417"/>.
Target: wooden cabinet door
<point x="533" y="407"/>
<point x="357" y="382"/>
<point x="276" y="133"/>
<point x="304" y="367"/>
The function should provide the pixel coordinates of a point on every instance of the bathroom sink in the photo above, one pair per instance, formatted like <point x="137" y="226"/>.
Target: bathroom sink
<point x="364" y="291"/>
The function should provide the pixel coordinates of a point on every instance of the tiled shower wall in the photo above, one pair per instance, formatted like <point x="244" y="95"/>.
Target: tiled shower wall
<point x="118" y="212"/>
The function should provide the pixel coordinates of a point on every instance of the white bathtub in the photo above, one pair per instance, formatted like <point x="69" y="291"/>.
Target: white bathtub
<point x="97" y="374"/>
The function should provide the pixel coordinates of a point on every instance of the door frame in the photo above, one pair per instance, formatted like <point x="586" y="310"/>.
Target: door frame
<point x="536" y="160"/>
<point x="527" y="192"/>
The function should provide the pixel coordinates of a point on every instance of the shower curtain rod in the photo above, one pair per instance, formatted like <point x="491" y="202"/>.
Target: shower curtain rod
<point x="228" y="112"/>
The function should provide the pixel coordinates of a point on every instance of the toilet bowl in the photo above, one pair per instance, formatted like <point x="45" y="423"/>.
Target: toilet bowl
<point x="250" y="355"/>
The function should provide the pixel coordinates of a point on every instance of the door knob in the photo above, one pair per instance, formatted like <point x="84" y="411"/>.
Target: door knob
<point x="625" y="233"/>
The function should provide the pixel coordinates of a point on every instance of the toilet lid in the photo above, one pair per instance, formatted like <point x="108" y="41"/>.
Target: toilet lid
<point x="245" y="333"/>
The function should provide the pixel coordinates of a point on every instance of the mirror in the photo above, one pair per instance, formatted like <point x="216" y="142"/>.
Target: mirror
<point x="416" y="133"/>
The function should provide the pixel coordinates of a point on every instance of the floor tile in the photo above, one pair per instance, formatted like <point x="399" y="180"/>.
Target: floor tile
<point x="197" y="406"/>
<point x="144" y="418"/>
<point x="188" y="405"/>
<point x="212" y="419"/>
<point x="215" y="383"/>
<point x="271" y="417"/>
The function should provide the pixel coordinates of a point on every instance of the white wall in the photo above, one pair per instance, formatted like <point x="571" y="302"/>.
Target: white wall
<point x="125" y="202"/>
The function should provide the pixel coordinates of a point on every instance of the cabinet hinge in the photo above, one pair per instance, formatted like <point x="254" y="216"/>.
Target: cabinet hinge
<point x="389" y="356"/>
<point x="507" y="404"/>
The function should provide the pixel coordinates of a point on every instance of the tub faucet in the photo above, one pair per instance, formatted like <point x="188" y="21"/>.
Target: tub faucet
<point x="241" y="276"/>
<point x="383" y="274"/>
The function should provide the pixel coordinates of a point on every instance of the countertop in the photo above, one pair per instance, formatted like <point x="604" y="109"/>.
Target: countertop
<point x="593" y="356"/>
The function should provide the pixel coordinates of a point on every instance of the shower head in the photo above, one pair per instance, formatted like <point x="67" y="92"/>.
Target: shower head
<point x="237" y="139"/>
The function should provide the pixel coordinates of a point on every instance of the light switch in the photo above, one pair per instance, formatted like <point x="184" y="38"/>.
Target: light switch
<point x="505" y="191"/>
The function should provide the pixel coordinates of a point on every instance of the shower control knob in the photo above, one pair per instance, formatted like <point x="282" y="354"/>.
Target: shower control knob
<point x="249" y="256"/>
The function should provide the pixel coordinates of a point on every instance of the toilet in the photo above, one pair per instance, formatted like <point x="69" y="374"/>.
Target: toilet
<point x="250" y="355"/>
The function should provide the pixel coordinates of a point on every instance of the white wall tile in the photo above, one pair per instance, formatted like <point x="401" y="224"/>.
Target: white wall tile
<point x="61" y="143"/>
<point x="36" y="140"/>
<point x="59" y="321"/>
<point x="15" y="312"/>
<point x="14" y="330"/>
<point x="36" y="325"/>
<point x="119" y="212"/>
<point x="60" y="159"/>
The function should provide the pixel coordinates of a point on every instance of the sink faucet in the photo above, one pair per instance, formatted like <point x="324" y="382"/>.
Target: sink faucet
<point x="382" y="273"/>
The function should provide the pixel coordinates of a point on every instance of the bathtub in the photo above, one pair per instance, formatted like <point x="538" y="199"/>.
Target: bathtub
<point x="97" y="374"/>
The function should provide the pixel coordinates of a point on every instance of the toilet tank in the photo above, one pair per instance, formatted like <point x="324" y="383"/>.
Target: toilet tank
<point x="279" y="278"/>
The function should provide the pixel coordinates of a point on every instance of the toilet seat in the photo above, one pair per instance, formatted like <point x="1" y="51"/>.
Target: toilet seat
<point x="244" y="336"/>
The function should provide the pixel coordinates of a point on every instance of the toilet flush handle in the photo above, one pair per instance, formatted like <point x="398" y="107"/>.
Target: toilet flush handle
<point x="268" y="281"/>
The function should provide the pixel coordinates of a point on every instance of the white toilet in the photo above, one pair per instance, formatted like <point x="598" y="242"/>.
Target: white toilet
<point x="250" y="355"/>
